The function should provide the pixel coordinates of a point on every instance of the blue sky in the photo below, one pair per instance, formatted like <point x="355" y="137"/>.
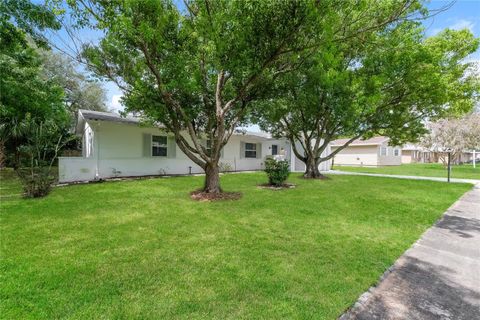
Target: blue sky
<point x="463" y="14"/>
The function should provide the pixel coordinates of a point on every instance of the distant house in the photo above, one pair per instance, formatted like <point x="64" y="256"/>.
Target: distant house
<point x="412" y="153"/>
<point x="115" y="146"/>
<point x="370" y="152"/>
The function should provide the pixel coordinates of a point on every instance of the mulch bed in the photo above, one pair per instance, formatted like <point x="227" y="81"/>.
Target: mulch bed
<point x="203" y="196"/>
<point x="281" y="187"/>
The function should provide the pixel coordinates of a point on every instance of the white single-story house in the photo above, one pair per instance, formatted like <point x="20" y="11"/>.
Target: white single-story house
<point x="115" y="146"/>
<point x="371" y="152"/>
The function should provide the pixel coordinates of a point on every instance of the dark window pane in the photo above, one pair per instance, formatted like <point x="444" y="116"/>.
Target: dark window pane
<point x="159" y="139"/>
<point x="159" y="151"/>
<point x="250" y="154"/>
<point x="274" y="149"/>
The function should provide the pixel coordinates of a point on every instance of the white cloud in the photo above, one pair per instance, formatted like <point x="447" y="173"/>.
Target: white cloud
<point x="458" y="24"/>
<point x="115" y="104"/>
<point x="463" y="24"/>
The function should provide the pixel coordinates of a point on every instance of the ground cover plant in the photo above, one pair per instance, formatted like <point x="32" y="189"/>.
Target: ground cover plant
<point x="145" y="249"/>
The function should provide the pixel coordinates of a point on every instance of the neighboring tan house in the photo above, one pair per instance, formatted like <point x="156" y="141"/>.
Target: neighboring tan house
<point x="115" y="146"/>
<point x="415" y="154"/>
<point x="371" y="152"/>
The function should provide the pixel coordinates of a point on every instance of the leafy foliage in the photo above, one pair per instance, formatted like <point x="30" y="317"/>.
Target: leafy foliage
<point x="453" y="135"/>
<point x="197" y="71"/>
<point x="41" y="146"/>
<point x="277" y="171"/>
<point x="386" y="84"/>
<point x="26" y="91"/>
<point x="81" y="91"/>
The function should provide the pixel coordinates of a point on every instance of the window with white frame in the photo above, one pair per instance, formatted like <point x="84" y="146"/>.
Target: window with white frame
<point x="159" y="146"/>
<point x="396" y="152"/>
<point x="383" y="151"/>
<point x="250" y="150"/>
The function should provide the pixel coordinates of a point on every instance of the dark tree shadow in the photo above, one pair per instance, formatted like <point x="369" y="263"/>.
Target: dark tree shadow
<point x="464" y="227"/>
<point x="421" y="291"/>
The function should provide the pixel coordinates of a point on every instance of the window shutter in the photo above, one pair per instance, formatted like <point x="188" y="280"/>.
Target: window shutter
<point x="221" y="152"/>
<point x="171" y="147"/>
<point x="259" y="150"/>
<point x="147" y="145"/>
<point x="242" y="149"/>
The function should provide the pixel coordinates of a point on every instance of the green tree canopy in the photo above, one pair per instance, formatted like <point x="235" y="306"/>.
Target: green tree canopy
<point x="25" y="90"/>
<point x="387" y="84"/>
<point x="80" y="90"/>
<point x="198" y="71"/>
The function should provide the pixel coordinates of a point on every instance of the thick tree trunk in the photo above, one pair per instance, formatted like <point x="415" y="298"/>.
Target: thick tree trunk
<point x="212" y="178"/>
<point x="311" y="169"/>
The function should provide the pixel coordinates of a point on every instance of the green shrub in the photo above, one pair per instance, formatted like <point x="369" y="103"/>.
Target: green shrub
<point x="277" y="171"/>
<point x="36" y="181"/>
<point x="43" y="142"/>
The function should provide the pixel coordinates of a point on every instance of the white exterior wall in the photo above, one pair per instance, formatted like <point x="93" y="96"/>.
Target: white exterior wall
<point x="76" y="169"/>
<point x="390" y="159"/>
<point x="118" y="151"/>
<point x="407" y="156"/>
<point x="368" y="155"/>
<point x="357" y="156"/>
<point x="297" y="165"/>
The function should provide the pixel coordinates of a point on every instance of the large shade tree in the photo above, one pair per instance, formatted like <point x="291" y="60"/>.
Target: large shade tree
<point x="388" y="83"/>
<point x="81" y="90"/>
<point x="25" y="90"/>
<point x="198" y="70"/>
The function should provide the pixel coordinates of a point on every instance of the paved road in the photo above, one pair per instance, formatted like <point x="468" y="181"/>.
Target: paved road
<point x="438" y="277"/>
<point x="473" y="181"/>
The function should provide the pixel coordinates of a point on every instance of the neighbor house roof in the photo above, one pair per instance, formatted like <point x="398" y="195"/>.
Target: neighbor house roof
<point x="259" y="134"/>
<point x="369" y="142"/>
<point x="85" y="115"/>
<point x="412" y="147"/>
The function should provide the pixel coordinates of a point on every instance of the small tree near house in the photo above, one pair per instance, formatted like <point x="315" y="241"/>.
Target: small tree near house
<point x="40" y="150"/>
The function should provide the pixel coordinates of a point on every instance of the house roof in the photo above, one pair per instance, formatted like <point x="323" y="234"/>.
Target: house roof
<point x="369" y="142"/>
<point x="85" y="115"/>
<point x="107" y="116"/>
<point x="412" y="147"/>
<point x="259" y="134"/>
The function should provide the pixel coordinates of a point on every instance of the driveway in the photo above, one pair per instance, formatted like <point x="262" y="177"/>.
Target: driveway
<point x="438" y="277"/>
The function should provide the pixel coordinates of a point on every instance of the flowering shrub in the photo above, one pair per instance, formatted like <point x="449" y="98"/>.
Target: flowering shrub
<point x="277" y="171"/>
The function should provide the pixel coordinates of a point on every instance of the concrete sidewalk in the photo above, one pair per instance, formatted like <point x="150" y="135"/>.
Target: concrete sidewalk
<point x="438" y="277"/>
<point x="473" y="181"/>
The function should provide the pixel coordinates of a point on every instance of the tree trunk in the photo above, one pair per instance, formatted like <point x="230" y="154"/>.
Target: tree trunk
<point x="212" y="178"/>
<point x="311" y="169"/>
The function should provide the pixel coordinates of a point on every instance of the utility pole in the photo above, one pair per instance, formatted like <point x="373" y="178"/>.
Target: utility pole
<point x="449" y="167"/>
<point x="474" y="159"/>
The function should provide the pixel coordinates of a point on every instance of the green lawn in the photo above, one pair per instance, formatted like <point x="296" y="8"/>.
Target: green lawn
<point x="420" y="169"/>
<point x="143" y="249"/>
